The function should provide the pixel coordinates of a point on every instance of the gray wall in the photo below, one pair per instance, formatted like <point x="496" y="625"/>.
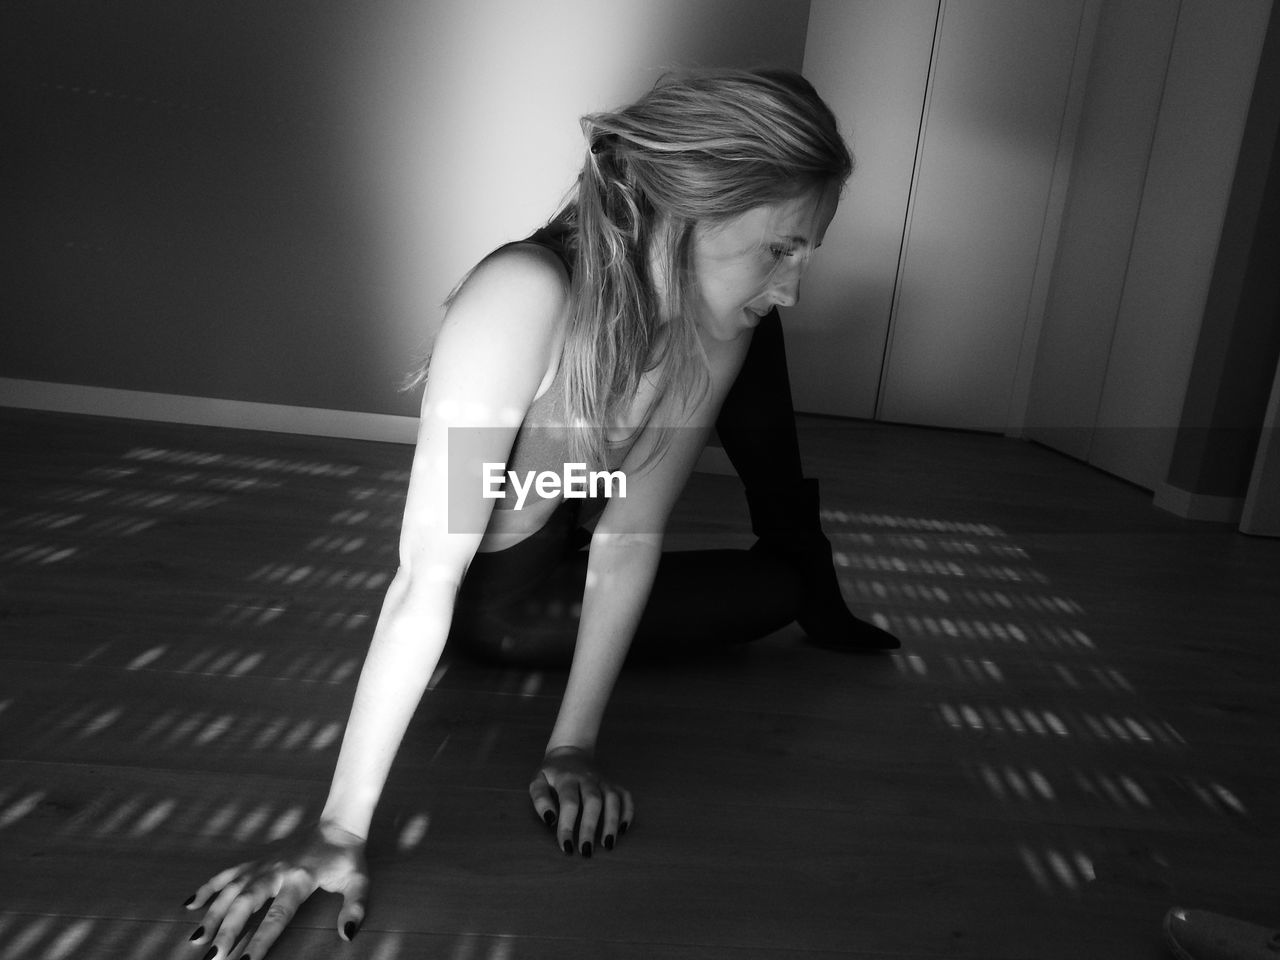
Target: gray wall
<point x="267" y="201"/>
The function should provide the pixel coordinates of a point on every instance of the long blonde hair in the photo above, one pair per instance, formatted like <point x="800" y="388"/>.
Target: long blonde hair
<point x="699" y="148"/>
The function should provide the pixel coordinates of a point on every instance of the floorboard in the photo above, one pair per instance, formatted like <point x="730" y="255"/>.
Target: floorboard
<point x="1079" y="732"/>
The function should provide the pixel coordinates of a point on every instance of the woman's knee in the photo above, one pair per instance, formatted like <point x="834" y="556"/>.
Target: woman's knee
<point x="528" y="636"/>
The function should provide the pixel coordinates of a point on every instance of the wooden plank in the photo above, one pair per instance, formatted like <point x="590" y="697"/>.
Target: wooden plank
<point x="1074" y="737"/>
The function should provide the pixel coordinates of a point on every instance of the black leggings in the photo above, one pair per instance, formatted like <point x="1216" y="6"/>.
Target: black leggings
<point x="521" y="605"/>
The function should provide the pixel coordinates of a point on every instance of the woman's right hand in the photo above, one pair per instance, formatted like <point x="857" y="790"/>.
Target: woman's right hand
<point x="325" y="857"/>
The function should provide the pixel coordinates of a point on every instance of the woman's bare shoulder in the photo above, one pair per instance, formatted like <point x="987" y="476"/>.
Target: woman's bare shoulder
<point x="520" y="283"/>
<point x="503" y="329"/>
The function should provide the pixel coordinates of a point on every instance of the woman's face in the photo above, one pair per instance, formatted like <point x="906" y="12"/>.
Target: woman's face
<point x="753" y="262"/>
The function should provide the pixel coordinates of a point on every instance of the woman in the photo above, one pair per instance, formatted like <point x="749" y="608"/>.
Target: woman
<point x="618" y="336"/>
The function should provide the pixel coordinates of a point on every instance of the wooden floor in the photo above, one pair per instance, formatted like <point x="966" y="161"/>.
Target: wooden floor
<point x="1080" y="730"/>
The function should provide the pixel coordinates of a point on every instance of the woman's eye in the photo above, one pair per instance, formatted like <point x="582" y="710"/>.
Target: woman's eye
<point x="778" y="252"/>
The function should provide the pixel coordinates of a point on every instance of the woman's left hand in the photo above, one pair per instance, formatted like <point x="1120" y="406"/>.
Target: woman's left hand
<point x="571" y="793"/>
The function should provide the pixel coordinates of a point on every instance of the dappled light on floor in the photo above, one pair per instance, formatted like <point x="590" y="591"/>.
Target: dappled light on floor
<point x="1052" y="869"/>
<point x="187" y="626"/>
<point x="158" y="729"/>
<point x="128" y="814"/>
<point x="26" y="936"/>
<point x="982" y="628"/>
<point x="195" y="690"/>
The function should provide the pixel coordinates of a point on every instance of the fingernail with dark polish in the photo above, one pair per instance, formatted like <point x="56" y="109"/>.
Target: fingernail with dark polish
<point x="586" y="849"/>
<point x="568" y="846"/>
<point x="550" y="818"/>
<point x="211" y="954"/>
<point x="350" y="929"/>
<point x="198" y="934"/>
<point x="608" y="842"/>
<point x="623" y="829"/>
<point x="190" y="900"/>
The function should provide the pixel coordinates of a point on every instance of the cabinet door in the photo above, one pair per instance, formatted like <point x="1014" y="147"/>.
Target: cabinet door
<point x="1112" y="149"/>
<point x="994" y="113"/>
<point x="870" y="61"/>
<point x="1187" y="185"/>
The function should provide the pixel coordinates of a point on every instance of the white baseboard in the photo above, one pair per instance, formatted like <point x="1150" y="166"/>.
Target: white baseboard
<point x="239" y="414"/>
<point x="1198" y="506"/>
<point x="206" y="411"/>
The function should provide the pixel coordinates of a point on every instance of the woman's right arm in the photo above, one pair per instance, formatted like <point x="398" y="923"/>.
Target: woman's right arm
<point x="490" y="357"/>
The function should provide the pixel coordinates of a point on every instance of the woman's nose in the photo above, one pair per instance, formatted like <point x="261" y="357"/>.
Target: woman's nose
<point x="786" y="293"/>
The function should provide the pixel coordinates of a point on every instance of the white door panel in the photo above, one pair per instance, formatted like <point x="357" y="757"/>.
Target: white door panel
<point x="870" y="61"/>
<point x="995" y="110"/>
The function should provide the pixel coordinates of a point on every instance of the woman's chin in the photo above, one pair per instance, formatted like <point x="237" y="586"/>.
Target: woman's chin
<point x="730" y="327"/>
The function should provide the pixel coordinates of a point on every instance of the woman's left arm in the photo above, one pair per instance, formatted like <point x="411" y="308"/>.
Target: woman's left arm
<point x="626" y="547"/>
